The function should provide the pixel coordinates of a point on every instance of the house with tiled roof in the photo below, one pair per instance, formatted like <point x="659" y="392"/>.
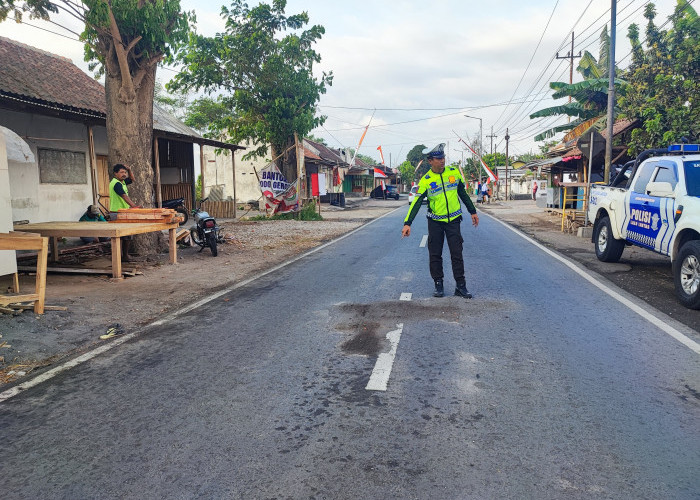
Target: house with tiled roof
<point x="60" y="112"/>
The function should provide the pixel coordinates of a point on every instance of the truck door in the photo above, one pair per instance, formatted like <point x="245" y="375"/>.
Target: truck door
<point x="649" y="219"/>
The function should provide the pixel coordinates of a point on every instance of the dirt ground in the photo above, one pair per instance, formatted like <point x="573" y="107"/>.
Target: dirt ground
<point x="95" y="302"/>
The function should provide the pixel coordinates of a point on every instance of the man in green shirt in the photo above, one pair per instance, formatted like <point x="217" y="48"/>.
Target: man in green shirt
<point x="443" y="187"/>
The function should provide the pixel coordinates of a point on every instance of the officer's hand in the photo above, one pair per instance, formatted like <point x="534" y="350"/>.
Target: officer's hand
<point x="475" y="220"/>
<point x="406" y="231"/>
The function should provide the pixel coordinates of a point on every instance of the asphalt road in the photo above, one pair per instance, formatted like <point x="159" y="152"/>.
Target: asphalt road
<point x="540" y="387"/>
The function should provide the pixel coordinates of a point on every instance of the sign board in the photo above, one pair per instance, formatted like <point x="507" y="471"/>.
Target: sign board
<point x="584" y="143"/>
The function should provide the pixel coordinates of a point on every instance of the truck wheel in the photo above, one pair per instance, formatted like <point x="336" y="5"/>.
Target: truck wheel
<point x="607" y="248"/>
<point x="686" y="274"/>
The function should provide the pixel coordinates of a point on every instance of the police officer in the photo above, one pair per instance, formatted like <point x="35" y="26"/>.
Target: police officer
<point x="444" y="187"/>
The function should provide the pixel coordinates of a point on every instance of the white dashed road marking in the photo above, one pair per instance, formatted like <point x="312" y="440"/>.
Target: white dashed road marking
<point x="385" y="361"/>
<point x="424" y="241"/>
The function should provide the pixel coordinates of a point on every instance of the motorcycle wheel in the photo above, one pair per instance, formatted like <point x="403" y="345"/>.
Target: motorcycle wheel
<point x="211" y="241"/>
<point x="183" y="211"/>
<point x="194" y="234"/>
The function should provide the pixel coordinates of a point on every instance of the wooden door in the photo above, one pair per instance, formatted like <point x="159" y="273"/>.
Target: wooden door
<point x="103" y="179"/>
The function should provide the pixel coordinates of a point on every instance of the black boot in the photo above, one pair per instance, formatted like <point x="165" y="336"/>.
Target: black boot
<point x="439" y="289"/>
<point x="461" y="290"/>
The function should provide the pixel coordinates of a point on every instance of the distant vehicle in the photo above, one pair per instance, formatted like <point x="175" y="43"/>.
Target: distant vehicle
<point x="391" y="191"/>
<point x="412" y="194"/>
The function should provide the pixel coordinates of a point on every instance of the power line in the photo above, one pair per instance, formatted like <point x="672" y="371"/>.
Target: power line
<point x="531" y="58"/>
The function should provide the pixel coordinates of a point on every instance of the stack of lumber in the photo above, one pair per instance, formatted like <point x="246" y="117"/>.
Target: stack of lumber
<point x="161" y="215"/>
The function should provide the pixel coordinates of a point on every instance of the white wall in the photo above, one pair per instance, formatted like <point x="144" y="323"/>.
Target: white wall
<point x="8" y="261"/>
<point x="218" y="171"/>
<point x="38" y="202"/>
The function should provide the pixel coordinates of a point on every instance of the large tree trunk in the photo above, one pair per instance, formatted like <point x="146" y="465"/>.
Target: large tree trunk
<point x="288" y="162"/>
<point x="130" y="136"/>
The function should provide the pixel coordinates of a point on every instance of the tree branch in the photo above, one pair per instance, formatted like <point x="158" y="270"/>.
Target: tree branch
<point x="127" y="93"/>
<point x="133" y="44"/>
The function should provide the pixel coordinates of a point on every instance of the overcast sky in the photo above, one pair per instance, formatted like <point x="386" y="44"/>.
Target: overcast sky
<point x="424" y="65"/>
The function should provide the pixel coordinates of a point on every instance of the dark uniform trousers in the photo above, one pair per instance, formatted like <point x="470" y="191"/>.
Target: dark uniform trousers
<point x="437" y="232"/>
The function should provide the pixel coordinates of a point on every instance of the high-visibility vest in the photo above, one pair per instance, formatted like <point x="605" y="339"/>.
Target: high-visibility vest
<point x="441" y="190"/>
<point x="116" y="201"/>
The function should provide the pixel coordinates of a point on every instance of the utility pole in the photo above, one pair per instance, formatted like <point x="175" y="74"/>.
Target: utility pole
<point x="611" y="92"/>
<point x="492" y="137"/>
<point x="571" y="57"/>
<point x="507" y="139"/>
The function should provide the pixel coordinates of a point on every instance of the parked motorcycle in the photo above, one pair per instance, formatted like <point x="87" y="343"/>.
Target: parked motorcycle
<point x="178" y="204"/>
<point x="205" y="232"/>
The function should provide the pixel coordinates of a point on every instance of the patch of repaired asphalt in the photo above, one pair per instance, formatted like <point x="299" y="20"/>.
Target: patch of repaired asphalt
<point x="368" y="324"/>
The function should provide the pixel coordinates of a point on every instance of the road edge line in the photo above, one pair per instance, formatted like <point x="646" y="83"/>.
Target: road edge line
<point x="588" y="276"/>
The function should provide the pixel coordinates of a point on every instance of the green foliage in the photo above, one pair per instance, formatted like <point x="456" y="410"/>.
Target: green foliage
<point x="664" y="81"/>
<point x="203" y="115"/>
<point x="38" y="9"/>
<point x="589" y="97"/>
<point x="407" y="171"/>
<point x="415" y="155"/>
<point x="367" y="159"/>
<point x="149" y="30"/>
<point x="198" y="188"/>
<point x="544" y="148"/>
<point x="152" y="30"/>
<point x="317" y="140"/>
<point x="494" y="159"/>
<point x="263" y="62"/>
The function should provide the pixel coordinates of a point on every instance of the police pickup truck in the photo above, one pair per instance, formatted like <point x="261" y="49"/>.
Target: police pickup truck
<point x="657" y="208"/>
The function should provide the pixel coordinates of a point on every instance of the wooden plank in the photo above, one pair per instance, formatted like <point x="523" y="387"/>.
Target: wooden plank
<point x="73" y="270"/>
<point x="117" y="258"/>
<point x="12" y="299"/>
<point x="24" y="307"/>
<point x="145" y="211"/>
<point x="141" y="221"/>
<point x="40" y="289"/>
<point x="15" y="241"/>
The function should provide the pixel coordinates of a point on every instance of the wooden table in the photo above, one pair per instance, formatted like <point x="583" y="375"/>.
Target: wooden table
<point x="27" y="241"/>
<point x="113" y="230"/>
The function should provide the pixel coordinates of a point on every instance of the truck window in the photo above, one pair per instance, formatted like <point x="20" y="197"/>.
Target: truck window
<point x="692" y="177"/>
<point x="667" y="173"/>
<point x="644" y="176"/>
